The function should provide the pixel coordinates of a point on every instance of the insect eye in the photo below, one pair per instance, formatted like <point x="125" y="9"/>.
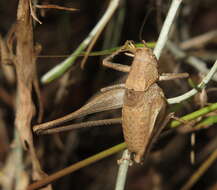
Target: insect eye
<point x="130" y="92"/>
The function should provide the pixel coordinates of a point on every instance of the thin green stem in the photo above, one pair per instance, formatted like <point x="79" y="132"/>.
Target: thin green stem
<point x="112" y="50"/>
<point x="100" y="53"/>
<point x="211" y="120"/>
<point x="61" y="68"/>
<point x="195" y="114"/>
<point x="77" y="166"/>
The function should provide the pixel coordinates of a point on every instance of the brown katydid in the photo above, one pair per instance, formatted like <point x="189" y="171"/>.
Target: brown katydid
<point x="142" y="100"/>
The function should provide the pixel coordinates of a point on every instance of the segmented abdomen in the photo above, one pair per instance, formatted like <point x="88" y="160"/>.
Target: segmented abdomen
<point x="139" y="114"/>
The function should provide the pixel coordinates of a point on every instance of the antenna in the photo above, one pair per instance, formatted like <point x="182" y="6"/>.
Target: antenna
<point x="143" y="23"/>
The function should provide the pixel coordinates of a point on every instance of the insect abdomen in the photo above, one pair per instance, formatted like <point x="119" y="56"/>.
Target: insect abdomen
<point x="139" y="115"/>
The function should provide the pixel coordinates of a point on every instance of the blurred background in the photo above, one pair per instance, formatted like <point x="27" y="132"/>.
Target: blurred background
<point x="60" y="33"/>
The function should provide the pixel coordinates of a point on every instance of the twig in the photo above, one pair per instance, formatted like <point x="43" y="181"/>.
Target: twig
<point x="50" y="6"/>
<point x="166" y="27"/>
<point x="18" y="155"/>
<point x="11" y="173"/>
<point x="32" y="11"/>
<point x="122" y="172"/>
<point x="201" y="170"/>
<point x="77" y="166"/>
<point x="193" y="61"/>
<point x="194" y="91"/>
<point x="157" y="51"/>
<point x="199" y="41"/>
<point x="117" y="26"/>
<point x="204" y="54"/>
<point x="61" y="68"/>
<point x="114" y="29"/>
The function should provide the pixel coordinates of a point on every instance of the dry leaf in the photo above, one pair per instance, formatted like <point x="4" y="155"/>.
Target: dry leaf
<point x="6" y="59"/>
<point x="26" y="82"/>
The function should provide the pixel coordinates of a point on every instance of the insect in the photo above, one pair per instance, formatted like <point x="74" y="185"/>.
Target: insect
<point x="142" y="100"/>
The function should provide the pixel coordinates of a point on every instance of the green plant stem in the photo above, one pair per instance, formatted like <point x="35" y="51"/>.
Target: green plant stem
<point x="77" y="166"/>
<point x="100" y="53"/>
<point x="61" y="68"/>
<point x="112" y="50"/>
<point x="195" y="115"/>
<point x="206" y="122"/>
